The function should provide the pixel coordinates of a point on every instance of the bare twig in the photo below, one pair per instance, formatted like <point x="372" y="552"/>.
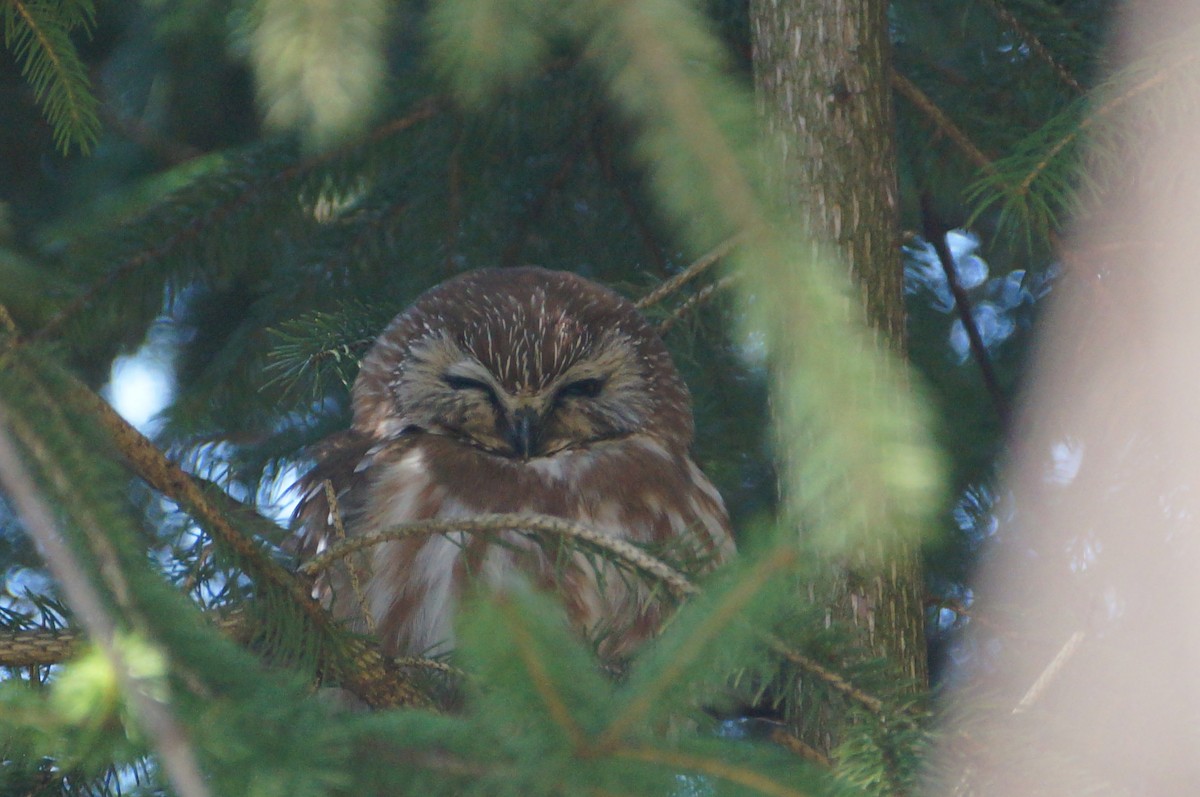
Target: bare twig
<point x="801" y="748"/>
<point x="935" y="234"/>
<point x="704" y="263"/>
<point x="524" y="524"/>
<point x="943" y="123"/>
<point x="1064" y="655"/>
<point x="166" y="735"/>
<point x="1035" y="44"/>
<point x="833" y="679"/>
<point x="693" y="303"/>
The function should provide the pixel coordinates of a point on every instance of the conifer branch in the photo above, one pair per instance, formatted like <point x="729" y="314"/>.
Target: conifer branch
<point x="1106" y="108"/>
<point x="203" y="224"/>
<point x="38" y="34"/>
<point x="943" y="123"/>
<point x="693" y="303"/>
<point x="713" y="767"/>
<point x="618" y="549"/>
<point x="1034" y="43"/>
<point x="166" y="735"/>
<point x="698" y="267"/>
<point x="361" y="667"/>
<point x="365" y="670"/>
<point x="42" y="647"/>
<point x="522" y="639"/>
<point x="722" y="615"/>
<point x="420" y="662"/>
<point x="37" y="648"/>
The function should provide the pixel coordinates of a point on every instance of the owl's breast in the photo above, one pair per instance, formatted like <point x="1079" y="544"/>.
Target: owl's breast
<point x="634" y="489"/>
<point x="607" y="479"/>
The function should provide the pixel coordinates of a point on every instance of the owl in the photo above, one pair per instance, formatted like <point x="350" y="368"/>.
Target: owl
<point x="517" y="391"/>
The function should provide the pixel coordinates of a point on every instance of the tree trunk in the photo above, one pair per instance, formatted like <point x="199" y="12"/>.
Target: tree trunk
<point x="821" y="69"/>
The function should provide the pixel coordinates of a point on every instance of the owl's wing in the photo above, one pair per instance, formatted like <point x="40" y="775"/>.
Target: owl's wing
<point x="339" y="462"/>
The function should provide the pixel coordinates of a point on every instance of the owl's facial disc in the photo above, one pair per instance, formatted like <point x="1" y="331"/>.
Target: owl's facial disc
<point x="446" y="390"/>
<point x="527" y="424"/>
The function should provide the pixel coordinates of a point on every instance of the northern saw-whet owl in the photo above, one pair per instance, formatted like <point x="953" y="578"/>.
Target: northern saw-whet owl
<point x="514" y="390"/>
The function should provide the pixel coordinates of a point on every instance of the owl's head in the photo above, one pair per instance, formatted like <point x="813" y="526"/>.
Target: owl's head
<point x="522" y="363"/>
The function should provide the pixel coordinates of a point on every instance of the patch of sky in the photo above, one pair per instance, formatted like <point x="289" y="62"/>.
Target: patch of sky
<point x="999" y="305"/>
<point x="975" y="513"/>
<point x="277" y="496"/>
<point x="694" y="786"/>
<point x="141" y="384"/>
<point x="1065" y="458"/>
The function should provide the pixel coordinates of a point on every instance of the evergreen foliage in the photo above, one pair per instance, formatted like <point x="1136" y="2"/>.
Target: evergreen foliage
<point x="38" y="33"/>
<point x="613" y="139"/>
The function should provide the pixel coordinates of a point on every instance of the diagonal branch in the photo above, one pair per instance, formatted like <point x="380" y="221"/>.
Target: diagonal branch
<point x="560" y="713"/>
<point x="1035" y="44"/>
<point x="742" y="776"/>
<point x="1102" y="111"/>
<point x="154" y="713"/>
<point x="835" y="680"/>
<point x="794" y="744"/>
<point x="359" y="664"/>
<point x="369" y="675"/>
<point x="935" y="234"/>
<point x="731" y="607"/>
<point x="693" y="303"/>
<point x="674" y="284"/>
<point x="944" y="124"/>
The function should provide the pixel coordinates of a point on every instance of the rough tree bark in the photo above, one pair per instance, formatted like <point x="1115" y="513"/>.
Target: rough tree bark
<point x="821" y="72"/>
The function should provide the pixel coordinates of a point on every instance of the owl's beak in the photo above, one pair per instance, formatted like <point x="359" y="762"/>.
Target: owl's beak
<point x="524" y="431"/>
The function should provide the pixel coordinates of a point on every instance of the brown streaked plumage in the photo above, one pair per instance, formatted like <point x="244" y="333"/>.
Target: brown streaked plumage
<point x="511" y="391"/>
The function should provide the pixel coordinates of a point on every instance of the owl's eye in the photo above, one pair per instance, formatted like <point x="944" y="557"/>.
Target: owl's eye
<point x="581" y="388"/>
<point x="456" y="382"/>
